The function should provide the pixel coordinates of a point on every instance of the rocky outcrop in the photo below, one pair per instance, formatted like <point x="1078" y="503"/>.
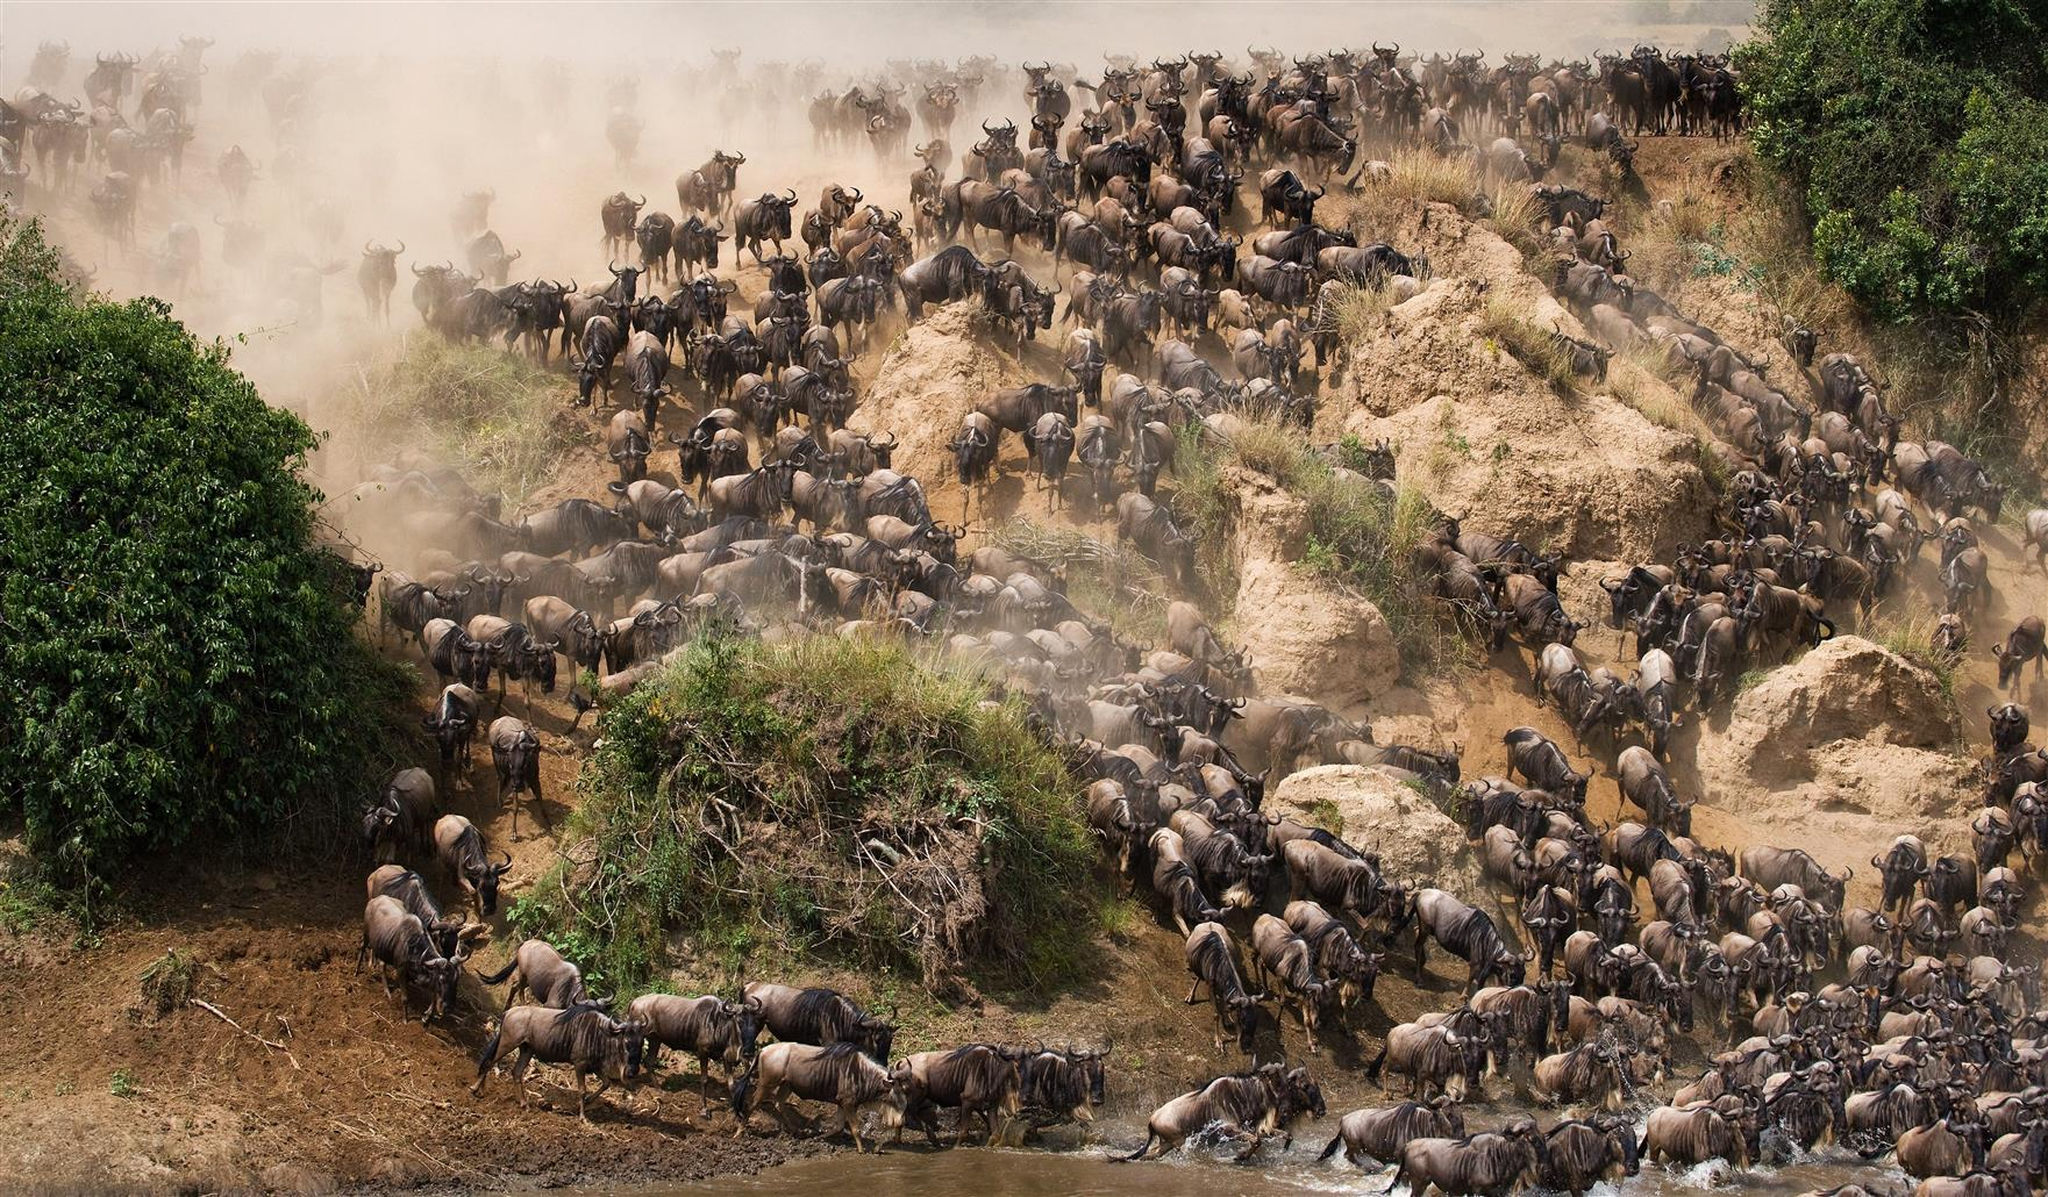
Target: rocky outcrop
<point x="1838" y="752"/>
<point x="1301" y="635"/>
<point x="1415" y="840"/>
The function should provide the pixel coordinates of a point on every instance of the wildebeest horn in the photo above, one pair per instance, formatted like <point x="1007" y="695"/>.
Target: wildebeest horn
<point x="792" y="197"/>
<point x="856" y="195"/>
<point x="366" y="248"/>
<point x="641" y="202"/>
<point x="400" y="249"/>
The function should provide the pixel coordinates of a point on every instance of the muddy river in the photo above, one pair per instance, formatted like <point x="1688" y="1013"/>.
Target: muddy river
<point x="909" y="1172"/>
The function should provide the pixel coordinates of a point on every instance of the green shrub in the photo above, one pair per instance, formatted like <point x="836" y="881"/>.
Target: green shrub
<point x="1914" y="132"/>
<point x="825" y="796"/>
<point x="179" y="654"/>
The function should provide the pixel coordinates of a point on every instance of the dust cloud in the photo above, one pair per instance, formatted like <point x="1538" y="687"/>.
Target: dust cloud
<point x="368" y="122"/>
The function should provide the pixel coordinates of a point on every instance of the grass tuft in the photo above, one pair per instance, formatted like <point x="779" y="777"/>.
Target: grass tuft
<point x="1533" y="346"/>
<point x="1359" y="534"/>
<point x="828" y="796"/>
<point x="495" y="416"/>
<point x="168" y="983"/>
<point x="1911" y="635"/>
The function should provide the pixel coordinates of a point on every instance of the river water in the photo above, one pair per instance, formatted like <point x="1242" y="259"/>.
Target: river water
<point x="1091" y="1172"/>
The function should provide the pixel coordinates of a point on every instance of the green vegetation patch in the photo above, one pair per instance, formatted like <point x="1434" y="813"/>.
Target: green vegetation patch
<point x="1360" y="535"/>
<point x="180" y="654"/>
<point x="821" y="796"/>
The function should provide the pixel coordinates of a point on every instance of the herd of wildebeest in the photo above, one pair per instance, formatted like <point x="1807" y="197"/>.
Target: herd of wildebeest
<point x="1900" y="1028"/>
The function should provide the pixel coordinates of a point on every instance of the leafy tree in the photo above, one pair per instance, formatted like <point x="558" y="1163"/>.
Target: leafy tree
<point x="178" y="653"/>
<point x="1913" y="131"/>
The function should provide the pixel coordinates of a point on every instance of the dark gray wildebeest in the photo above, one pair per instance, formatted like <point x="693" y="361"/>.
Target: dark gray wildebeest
<point x="1589" y="1072"/>
<point x="403" y="815"/>
<point x="1536" y="609"/>
<point x="1279" y="953"/>
<point x="1772" y="867"/>
<point x="980" y="1080"/>
<point x="1435" y="1058"/>
<point x="515" y="750"/>
<point x="1212" y="960"/>
<point x="542" y="972"/>
<point x="2009" y="727"/>
<point x="817" y="1016"/>
<point x="1645" y="784"/>
<point x="1337" y="954"/>
<point x="1582" y="1153"/>
<point x="1061" y="1085"/>
<point x="1536" y="758"/>
<point x="1151" y="528"/>
<point x="707" y="1027"/>
<point x="1488" y="1164"/>
<point x="1379" y="1135"/>
<point x="1337" y="878"/>
<point x="2028" y="641"/>
<point x="1904" y="868"/>
<point x="1248" y="1107"/>
<point x="1694" y="1134"/>
<point x="460" y="848"/>
<point x="377" y="277"/>
<point x="1466" y="932"/>
<point x="710" y="187"/>
<point x="1227" y="865"/>
<point x="585" y="1037"/>
<point x="618" y="214"/>
<point x="449" y="931"/>
<point x="1173" y="879"/>
<point x="841" y="1075"/>
<point x="763" y="218"/>
<point x="953" y="273"/>
<point x="401" y="944"/>
<point x="453" y="723"/>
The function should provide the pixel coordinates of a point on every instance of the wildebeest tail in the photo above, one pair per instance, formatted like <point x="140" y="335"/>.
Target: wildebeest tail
<point x="490" y="1052"/>
<point x="1372" y="1070"/>
<point x="1150" y="1137"/>
<point x="1330" y="1149"/>
<point x="502" y="973"/>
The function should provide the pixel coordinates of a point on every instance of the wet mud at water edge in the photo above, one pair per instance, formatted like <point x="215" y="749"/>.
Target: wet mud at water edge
<point x="1095" y="1172"/>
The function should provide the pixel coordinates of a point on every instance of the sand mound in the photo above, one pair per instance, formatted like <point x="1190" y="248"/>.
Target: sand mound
<point x="1302" y="637"/>
<point x="1416" y="841"/>
<point x="930" y="376"/>
<point x="1840" y="751"/>
<point x="1487" y="439"/>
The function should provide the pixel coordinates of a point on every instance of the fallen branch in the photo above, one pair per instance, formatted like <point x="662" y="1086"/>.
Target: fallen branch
<point x="217" y="1012"/>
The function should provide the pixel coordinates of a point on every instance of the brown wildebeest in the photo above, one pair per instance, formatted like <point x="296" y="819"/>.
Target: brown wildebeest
<point x="1246" y="1105"/>
<point x="1492" y="1162"/>
<point x="980" y="1080"/>
<point x="460" y="847"/>
<point x="1381" y="1134"/>
<point x="584" y="1036"/>
<point x="818" y="1016"/>
<point x="543" y="973"/>
<point x="708" y="1027"/>
<point x="840" y="1074"/>
<point x="400" y="943"/>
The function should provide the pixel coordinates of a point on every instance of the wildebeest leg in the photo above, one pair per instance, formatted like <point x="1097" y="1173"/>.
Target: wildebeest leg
<point x="1192" y="990"/>
<point x="1258" y="1140"/>
<point x="519" y="1063"/>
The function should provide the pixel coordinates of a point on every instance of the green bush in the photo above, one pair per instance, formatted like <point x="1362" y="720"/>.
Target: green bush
<point x="178" y="654"/>
<point x="827" y="796"/>
<point x="1914" y="134"/>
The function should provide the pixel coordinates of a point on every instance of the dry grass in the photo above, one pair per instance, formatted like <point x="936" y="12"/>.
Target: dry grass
<point x="1358" y="314"/>
<point x="1911" y="635"/>
<point x="1417" y="177"/>
<point x="1533" y="346"/>
<point x="1518" y="218"/>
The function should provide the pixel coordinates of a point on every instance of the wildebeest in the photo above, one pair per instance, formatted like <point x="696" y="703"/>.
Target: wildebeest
<point x="1212" y="960"/>
<point x="585" y="1037"/>
<point x="1251" y="1106"/>
<point x="1468" y="933"/>
<point x="707" y="1027"/>
<point x="978" y="1079"/>
<point x="1380" y="1134"/>
<point x="537" y="968"/>
<point x="818" y="1016"/>
<point x="403" y="815"/>
<point x="1434" y="1056"/>
<point x="1492" y="1163"/>
<point x="460" y="848"/>
<point x="840" y="1074"/>
<point x="402" y="944"/>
